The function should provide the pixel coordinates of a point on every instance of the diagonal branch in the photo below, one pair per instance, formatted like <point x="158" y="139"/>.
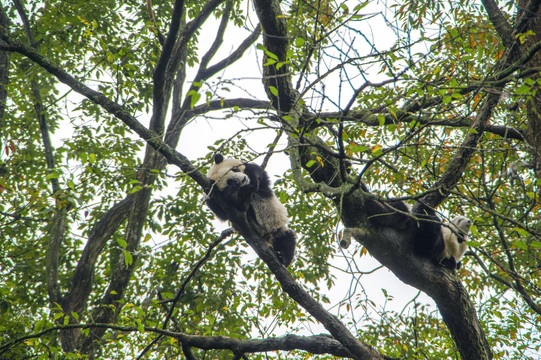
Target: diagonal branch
<point x="217" y="41"/>
<point x="205" y="73"/>
<point x="117" y="110"/>
<point x="235" y="55"/>
<point x="184" y="113"/>
<point x="226" y="233"/>
<point x="358" y="349"/>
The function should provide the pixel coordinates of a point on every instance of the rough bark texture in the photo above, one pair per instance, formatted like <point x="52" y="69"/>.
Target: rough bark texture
<point x="533" y="104"/>
<point x="5" y="57"/>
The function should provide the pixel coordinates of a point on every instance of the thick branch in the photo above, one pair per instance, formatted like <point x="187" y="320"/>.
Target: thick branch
<point x="461" y="159"/>
<point x="5" y="57"/>
<point x="122" y="271"/>
<point x="161" y="73"/>
<point x="358" y="349"/>
<point x="98" y="237"/>
<point x="214" y="105"/>
<point x="317" y="344"/>
<point x="275" y="39"/>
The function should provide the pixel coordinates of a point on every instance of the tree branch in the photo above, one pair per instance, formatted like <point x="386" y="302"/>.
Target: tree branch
<point x="316" y="344"/>
<point x="358" y="349"/>
<point x="275" y="39"/>
<point x="100" y="233"/>
<point x="161" y="74"/>
<point x="226" y="233"/>
<point x="500" y="23"/>
<point x="186" y="112"/>
<point x="58" y="224"/>
<point x="235" y="55"/>
<point x="172" y="156"/>
<point x="371" y="118"/>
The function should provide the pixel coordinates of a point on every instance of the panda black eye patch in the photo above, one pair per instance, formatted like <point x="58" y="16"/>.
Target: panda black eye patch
<point x="235" y="169"/>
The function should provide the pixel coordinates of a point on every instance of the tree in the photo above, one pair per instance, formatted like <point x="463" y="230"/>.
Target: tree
<point x="106" y="251"/>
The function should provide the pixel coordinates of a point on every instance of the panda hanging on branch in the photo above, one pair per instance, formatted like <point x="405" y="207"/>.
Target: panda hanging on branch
<point x="246" y="187"/>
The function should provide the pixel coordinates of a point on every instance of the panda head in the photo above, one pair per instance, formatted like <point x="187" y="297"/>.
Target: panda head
<point x="462" y="224"/>
<point x="228" y="172"/>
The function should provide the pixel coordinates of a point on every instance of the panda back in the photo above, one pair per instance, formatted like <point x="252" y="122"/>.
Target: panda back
<point x="269" y="212"/>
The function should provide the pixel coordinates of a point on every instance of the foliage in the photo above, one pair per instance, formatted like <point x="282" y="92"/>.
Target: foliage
<point x="107" y="249"/>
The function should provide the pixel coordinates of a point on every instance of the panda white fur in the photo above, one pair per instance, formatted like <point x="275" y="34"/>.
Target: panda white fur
<point x="246" y="186"/>
<point x="454" y="238"/>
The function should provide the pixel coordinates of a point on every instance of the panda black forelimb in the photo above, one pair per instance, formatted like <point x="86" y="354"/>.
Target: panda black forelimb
<point x="429" y="239"/>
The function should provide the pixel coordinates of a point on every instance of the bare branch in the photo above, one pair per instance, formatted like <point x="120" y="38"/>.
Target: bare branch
<point x="185" y="113"/>
<point x="316" y="344"/>
<point x="235" y="55"/>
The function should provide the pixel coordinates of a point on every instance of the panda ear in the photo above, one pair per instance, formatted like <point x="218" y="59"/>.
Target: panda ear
<point x="218" y="158"/>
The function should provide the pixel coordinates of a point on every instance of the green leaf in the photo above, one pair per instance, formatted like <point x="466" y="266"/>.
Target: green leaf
<point x="139" y="325"/>
<point x="128" y="258"/>
<point x="194" y="98"/>
<point x="273" y="90"/>
<point x="523" y="90"/>
<point x="520" y="244"/>
<point x="123" y="244"/>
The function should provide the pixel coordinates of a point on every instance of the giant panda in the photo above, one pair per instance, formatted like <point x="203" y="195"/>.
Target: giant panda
<point x="246" y="186"/>
<point x="444" y="244"/>
<point x="454" y="238"/>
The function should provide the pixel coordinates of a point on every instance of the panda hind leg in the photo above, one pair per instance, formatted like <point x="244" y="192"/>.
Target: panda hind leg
<point x="284" y="242"/>
<point x="449" y="263"/>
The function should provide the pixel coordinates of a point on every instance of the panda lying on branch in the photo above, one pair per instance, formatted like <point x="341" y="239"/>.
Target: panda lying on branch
<point x="246" y="187"/>
<point x="445" y="244"/>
